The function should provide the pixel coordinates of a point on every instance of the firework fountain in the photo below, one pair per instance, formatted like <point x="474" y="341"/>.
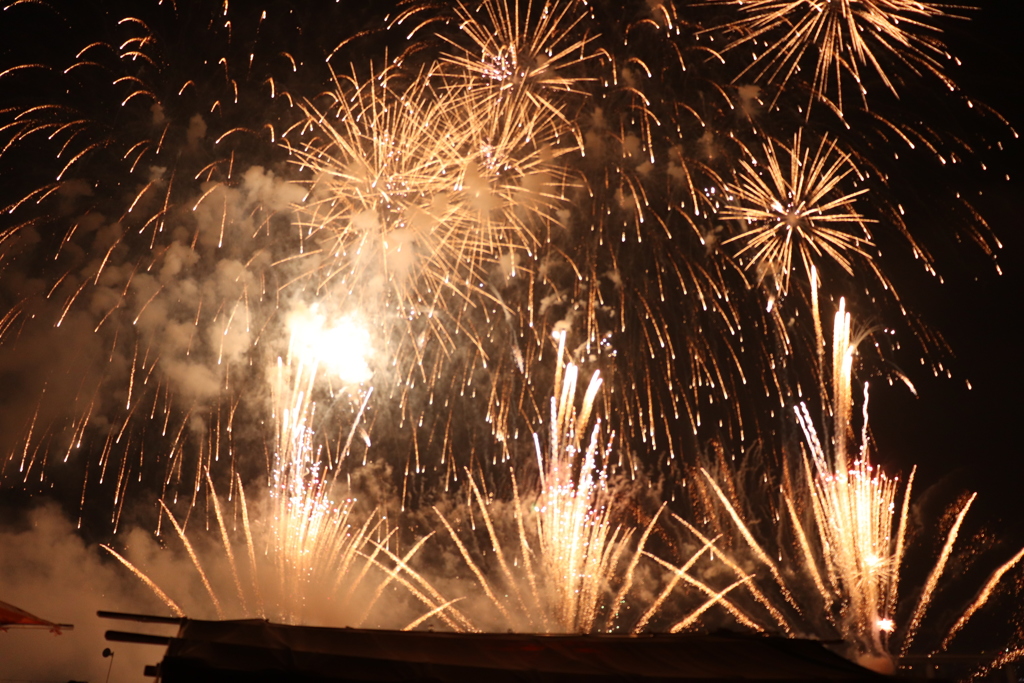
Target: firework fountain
<point x="664" y="188"/>
<point x="847" y="524"/>
<point x="579" y="567"/>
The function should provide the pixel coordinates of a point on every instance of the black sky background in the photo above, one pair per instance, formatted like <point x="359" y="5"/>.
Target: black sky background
<point x="972" y="435"/>
<point x="959" y="438"/>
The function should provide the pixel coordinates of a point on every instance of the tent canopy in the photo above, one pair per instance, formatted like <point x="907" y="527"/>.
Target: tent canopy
<point x="15" y="616"/>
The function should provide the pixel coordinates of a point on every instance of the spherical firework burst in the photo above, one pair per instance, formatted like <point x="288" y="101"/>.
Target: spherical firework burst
<point x="415" y="193"/>
<point x="799" y="207"/>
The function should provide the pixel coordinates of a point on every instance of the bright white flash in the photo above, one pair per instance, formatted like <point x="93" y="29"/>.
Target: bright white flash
<point x="340" y="348"/>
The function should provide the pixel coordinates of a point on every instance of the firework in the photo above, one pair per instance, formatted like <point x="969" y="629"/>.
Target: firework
<point x="580" y="568"/>
<point x="848" y="522"/>
<point x="514" y="169"/>
<point x="308" y="559"/>
<point x="797" y="207"/>
<point x="415" y="193"/>
<point x="504" y="54"/>
<point x="477" y="176"/>
<point x="433" y="190"/>
<point x="313" y="543"/>
<point x="841" y="39"/>
<point x="163" y="184"/>
<point x="576" y="550"/>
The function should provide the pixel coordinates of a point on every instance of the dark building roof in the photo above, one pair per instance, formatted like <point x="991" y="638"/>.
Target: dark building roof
<point x="258" y="651"/>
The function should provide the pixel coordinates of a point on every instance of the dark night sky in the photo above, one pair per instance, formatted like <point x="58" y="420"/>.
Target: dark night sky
<point x="971" y="436"/>
<point x="955" y="435"/>
<point x="972" y="439"/>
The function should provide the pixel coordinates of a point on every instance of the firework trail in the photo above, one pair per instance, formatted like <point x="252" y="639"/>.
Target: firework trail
<point x="848" y="523"/>
<point x="580" y="567"/>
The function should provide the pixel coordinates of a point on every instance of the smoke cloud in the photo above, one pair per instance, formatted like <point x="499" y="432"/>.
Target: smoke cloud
<point x="47" y="570"/>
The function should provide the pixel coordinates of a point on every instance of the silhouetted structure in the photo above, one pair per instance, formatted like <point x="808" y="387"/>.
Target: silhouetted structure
<point x="256" y="651"/>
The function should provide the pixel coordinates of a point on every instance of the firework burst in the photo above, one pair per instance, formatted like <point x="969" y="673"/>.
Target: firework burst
<point x="484" y="174"/>
<point x="798" y="208"/>
<point x="413" y="191"/>
<point x="841" y="39"/>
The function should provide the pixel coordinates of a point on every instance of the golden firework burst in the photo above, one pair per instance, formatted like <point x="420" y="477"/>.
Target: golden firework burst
<point x="797" y="203"/>
<point x="842" y="38"/>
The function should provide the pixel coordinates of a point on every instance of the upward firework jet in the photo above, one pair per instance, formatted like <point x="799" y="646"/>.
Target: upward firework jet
<point x="848" y="522"/>
<point x="568" y="547"/>
<point x="314" y="545"/>
<point x="304" y="558"/>
<point x="580" y="566"/>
